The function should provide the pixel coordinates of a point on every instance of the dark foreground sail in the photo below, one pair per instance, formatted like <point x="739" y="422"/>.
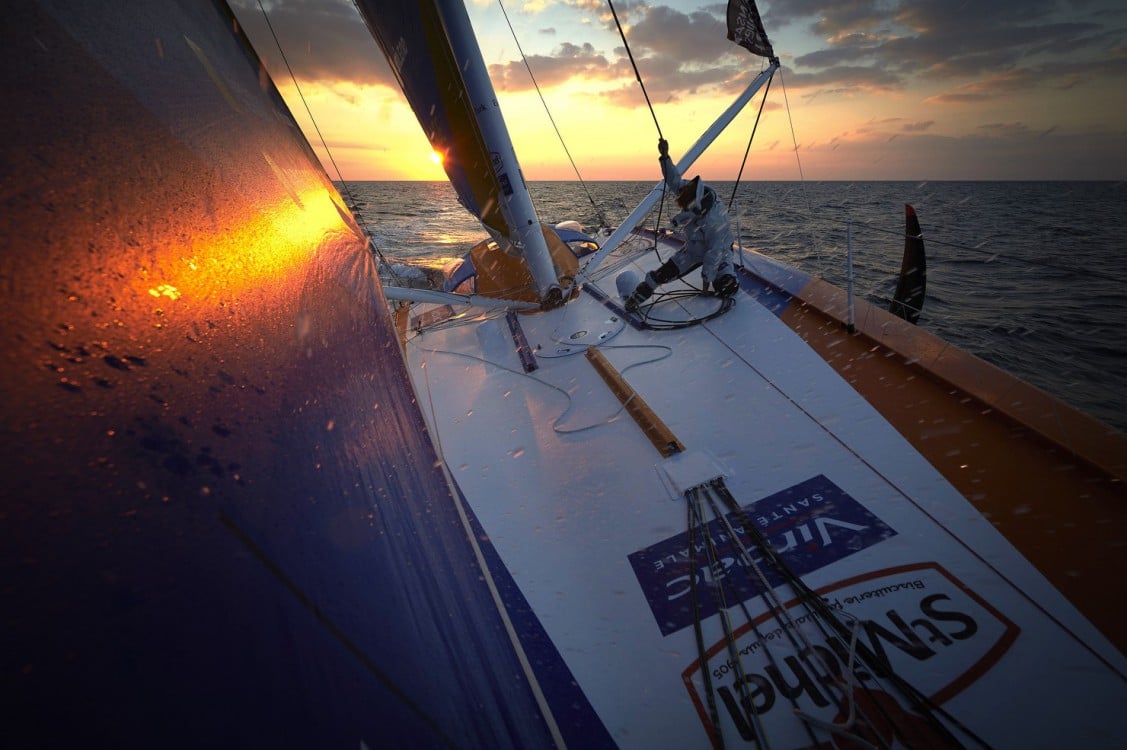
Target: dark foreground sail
<point x="222" y="522"/>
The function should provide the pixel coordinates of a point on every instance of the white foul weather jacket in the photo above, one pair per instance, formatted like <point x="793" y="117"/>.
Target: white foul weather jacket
<point x="708" y="234"/>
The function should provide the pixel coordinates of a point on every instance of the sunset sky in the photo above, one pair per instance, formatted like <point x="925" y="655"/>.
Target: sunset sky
<point x="877" y="89"/>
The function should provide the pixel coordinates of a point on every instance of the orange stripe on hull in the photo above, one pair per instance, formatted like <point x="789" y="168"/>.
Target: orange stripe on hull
<point x="1049" y="477"/>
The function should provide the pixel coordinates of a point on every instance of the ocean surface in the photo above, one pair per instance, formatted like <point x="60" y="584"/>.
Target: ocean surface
<point x="1031" y="276"/>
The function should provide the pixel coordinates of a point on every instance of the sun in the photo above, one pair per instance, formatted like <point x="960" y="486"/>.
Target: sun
<point x="436" y="157"/>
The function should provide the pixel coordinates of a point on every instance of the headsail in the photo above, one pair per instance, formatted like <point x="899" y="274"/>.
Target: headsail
<point x="745" y="28"/>
<point x="436" y="60"/>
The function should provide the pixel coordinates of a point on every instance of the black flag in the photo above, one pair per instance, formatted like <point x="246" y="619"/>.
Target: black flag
<point x="746" y="29"/>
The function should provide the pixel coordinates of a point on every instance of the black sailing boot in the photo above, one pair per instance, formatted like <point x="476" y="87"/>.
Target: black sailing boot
<point x="640" y="294"/>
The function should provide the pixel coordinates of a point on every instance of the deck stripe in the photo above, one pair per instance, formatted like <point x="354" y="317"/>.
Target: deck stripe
<point x="1050" y="478"/>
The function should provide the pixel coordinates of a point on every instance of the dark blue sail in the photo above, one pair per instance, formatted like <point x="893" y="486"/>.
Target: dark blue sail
<point x="223" y="523"/>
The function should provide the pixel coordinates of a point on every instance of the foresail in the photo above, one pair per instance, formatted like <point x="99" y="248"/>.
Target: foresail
<point x="745" y="28"/>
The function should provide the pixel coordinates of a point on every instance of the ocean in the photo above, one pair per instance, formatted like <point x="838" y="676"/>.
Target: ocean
<point x="1031" y="276"/>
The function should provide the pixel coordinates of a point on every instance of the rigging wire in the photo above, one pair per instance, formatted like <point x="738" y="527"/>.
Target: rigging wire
<point x="698" y="622"/>
<point x="992" y="255"/>
<point x="804" y="651"/>
<point x="328" y="152"/>
<point x="798" y="160"/>
<point x="638" y="76"/>
<point x="790" y="121"/>
<point x="602" y="217"/>
<point x="754" y="128"/>
<point x="715" y="565"/>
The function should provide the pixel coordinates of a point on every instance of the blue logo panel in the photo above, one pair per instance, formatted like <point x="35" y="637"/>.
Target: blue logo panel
<point x="810" y="525"/>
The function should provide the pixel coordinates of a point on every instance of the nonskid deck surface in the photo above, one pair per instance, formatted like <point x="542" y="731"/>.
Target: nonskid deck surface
<point x="590" y="519"/>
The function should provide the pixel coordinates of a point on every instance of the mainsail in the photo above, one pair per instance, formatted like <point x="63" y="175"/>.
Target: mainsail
<point x="436" y="60"/>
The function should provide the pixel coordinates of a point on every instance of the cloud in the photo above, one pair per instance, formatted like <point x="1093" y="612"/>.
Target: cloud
<point x="323" y="40"/>
<point x="567" y="62"/>
<point x="1003" y="129"/>
<point x="989" y="88"/>
<point x="846" y="79"/>
<point x="917" y="127"/>
<point x="1034" y="42"/>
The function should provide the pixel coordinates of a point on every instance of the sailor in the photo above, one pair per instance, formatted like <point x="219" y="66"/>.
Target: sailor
<point x="708" y="237"/>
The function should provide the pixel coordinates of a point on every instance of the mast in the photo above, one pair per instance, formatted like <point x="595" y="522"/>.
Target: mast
<point x="432" y="50"/>
<point x="516" y="203"/>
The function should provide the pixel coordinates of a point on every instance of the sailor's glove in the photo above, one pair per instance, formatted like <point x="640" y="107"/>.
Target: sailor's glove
<point x="727" y="285"/>
<point x="663" y="148"/>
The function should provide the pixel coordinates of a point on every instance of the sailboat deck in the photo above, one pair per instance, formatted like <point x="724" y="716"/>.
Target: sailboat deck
<point x="577" y="501"/>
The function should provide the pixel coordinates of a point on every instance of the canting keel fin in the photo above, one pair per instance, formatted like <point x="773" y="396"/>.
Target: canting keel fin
<point x="909" y="298"/>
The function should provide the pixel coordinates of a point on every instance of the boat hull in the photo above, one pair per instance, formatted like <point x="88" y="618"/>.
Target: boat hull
<point x="589" y="518"/>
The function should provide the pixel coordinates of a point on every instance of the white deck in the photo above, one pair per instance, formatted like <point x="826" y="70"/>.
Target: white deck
<point x="743" y="393"/>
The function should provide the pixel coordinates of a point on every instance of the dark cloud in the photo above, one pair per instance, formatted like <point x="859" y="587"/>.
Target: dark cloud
<point x="917" y="127"/>
<point x="983" y="50"/>
<point x="845" y="78"/>
<point x="323" y="40"/>
<point x="566" y="62"/>
<point x="1034" y="41"/>
<point x="682" y="54"/>
<point x="825" y="17"/>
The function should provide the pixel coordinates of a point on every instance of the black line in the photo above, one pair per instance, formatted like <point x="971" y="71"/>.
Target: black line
<point x="332" y="627"/>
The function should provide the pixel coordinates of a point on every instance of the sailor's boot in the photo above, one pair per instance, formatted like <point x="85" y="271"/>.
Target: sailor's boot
<point x="666" y="272"/>
<point x="641" y="293"/>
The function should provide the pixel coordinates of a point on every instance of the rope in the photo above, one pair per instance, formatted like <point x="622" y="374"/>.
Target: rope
<point x="754" y="128"/>
<point x="602" y="217"/>
<point x="698" y="624"/>
<point x="637" y="75"/>
<point x="653" y="323"/>
<point x="567" y="394"/>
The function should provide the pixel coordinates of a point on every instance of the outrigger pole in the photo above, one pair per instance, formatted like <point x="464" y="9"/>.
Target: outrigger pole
<point x="686" y="161"/>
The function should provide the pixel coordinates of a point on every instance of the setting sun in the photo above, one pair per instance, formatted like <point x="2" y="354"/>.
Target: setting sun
<point x="436" y="157"/>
